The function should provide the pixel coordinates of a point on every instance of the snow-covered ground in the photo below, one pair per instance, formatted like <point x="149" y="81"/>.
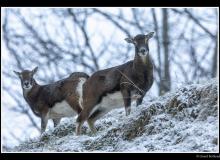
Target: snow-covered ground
<point x="185" y="120"/>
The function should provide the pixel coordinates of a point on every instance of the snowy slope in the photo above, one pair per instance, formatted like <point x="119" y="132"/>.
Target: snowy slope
<point x="185" y="120"/>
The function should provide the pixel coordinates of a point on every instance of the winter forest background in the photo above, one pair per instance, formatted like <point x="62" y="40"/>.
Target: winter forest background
<point x="64" y="40"/>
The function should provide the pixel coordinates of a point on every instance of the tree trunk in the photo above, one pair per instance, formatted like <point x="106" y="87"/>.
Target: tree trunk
<point x="156" y="28"/>
<point x="214" y="59"/>
<point x="214" y="63"/>
<point x="165" y="86"/>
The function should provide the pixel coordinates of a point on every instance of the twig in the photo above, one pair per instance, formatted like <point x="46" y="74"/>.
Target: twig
<point x="132" y="83"/>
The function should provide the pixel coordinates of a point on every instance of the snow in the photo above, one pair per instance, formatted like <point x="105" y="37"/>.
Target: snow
<point x="184" y="120"/>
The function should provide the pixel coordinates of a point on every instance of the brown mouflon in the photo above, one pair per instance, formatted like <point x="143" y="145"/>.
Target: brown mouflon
<point x="55" y="100"/>
<point x="118" y="86"/>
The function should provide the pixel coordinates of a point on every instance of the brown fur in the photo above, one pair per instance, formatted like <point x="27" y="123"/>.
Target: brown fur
<point x="139" y="71"/>
<point x="41" y="98"/>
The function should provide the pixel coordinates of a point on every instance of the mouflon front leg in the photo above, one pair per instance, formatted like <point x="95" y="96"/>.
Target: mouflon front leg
<point x="127" y="101"/>
<point x="139" y="101"/>
<point x="44" y="120"/>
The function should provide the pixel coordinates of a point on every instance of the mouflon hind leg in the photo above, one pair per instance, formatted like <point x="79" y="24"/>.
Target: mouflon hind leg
<point x="92" y="126"/>
<point x="100" y="112"/>
<point x="78" y="128"/>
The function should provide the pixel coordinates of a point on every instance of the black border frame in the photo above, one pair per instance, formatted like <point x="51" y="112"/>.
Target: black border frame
<point x="109" y="3"/>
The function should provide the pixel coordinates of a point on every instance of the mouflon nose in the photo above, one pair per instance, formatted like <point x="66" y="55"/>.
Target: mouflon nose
<point x="26" y="83"/>
<point x="143" y="50"/>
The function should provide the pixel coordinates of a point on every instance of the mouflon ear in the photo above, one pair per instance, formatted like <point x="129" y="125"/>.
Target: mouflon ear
<point x="129" y="40"/>
<point x="34" y="70"/>
<point x="17" y="73"/>
<point x="149" y="35"/>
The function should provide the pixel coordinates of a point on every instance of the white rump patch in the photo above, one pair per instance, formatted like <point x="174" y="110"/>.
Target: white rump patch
<point x="61" y="109"/>
<point x="79" y="90"/>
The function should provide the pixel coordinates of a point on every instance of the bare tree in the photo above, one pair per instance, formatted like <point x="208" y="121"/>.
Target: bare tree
<point x="214" y="62"/>
<point x="157" y="37"/>
<point x="165" y="83"/>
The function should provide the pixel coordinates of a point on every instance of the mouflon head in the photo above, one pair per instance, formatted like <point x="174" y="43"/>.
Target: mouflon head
<point x="140" y="42"/>
<point x="26" y="77"/>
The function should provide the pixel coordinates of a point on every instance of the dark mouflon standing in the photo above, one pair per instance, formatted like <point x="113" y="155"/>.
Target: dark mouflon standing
<point x="55" y="100"/>
<point x="118" y="86"/>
